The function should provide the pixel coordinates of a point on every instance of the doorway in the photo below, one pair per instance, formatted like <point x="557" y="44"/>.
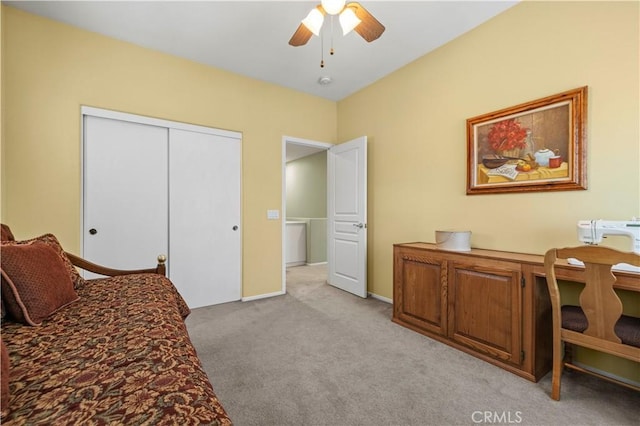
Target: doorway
<point x="304" y="222"/>
<point x="346" y="212"/>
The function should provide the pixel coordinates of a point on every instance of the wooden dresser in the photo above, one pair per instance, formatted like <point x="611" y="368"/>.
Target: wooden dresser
<point x="491" y="304"/>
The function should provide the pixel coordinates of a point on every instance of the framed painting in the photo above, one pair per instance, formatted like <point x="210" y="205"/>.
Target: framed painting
<point x="535" y="146"/>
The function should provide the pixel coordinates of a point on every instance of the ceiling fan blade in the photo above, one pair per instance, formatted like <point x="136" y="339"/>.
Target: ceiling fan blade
<point x="303" y="33"/>
<point x="370" y="28"/>
<point x="301" y="36"/>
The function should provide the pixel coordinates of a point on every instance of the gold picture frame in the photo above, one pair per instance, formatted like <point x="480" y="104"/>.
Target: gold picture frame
<point x="535" y="146"/>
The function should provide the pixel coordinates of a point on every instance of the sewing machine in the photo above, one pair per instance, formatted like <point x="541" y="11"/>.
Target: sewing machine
<point x="593" y="231"/>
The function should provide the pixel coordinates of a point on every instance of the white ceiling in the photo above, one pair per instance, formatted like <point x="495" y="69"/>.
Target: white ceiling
<point x="251" y="37"/>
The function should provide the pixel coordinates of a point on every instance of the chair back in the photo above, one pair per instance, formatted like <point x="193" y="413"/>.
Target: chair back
<point x="598" y="323"/>
<point x="599" y="302"/>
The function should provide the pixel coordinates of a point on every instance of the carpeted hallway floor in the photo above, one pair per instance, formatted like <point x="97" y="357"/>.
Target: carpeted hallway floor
<point x="320" y="356"/>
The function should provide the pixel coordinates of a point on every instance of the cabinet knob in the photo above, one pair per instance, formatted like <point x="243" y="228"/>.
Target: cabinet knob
<point x="93" y="231"/>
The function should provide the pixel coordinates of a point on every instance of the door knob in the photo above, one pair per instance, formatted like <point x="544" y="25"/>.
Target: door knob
<point x="235" y="227"/>
<point x="359" y="225"/>
<point x="93" y="231"/>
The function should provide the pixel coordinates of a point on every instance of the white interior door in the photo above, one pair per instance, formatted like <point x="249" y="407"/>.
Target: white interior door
<point x="125" y="214"/>
<point x="204" y="188"/>
<point x="347" y="216"/>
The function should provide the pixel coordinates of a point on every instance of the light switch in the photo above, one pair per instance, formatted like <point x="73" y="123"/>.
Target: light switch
<point x="273" y="214"/>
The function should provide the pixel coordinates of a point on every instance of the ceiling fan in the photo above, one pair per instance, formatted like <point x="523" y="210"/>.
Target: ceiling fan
<point x="352" y="16"/>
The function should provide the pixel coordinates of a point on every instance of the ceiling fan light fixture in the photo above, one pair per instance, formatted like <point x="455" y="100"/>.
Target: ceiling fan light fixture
<point x="352" y="16"/>
<point x="348" y="20"/>
<point x="333" y="7"/>
<point x="314" y="21"/>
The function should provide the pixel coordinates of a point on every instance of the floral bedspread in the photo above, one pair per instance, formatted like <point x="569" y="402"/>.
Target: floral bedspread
<point x="119" y="355"/>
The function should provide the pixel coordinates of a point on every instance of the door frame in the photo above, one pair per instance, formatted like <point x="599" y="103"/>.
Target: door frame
<point x="322" y="146"/>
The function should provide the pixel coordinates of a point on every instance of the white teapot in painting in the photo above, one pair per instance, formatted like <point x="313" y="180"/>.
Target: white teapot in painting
<point x="542" y="156"/>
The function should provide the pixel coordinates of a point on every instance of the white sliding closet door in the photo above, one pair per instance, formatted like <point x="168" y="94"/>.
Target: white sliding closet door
<point x="153" y="186"/>
<point x="204" y="217"/>
<point x="125" y="193"/>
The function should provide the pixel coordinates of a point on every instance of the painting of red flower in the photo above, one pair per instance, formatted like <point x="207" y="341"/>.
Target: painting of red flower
<point x="507" y="134"/>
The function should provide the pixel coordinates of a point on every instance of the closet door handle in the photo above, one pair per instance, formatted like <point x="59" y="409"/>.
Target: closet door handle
<point x="235" y="227"/>
<point x="93" y="231"/>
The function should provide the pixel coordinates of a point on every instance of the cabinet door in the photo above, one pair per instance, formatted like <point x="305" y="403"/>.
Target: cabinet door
<point x="485" y="308"/>
<point x="420" y="284"/>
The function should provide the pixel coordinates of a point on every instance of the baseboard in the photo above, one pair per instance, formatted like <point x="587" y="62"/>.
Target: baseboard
<point x="607" y="374"/>
<point x="383" y="299"/>
<point x="262" y="296"/>
<point x="280" y="293"/>
<point x="317" y="263"/>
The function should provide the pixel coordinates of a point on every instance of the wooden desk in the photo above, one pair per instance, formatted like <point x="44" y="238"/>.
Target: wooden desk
<point x="491" y="304"/>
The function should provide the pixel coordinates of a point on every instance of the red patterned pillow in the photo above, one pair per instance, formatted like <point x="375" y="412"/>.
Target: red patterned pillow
<point x="52" y="241"/>
<point x="5" y="233"/>
<point x="35" y="282"/>
<point x="4" y="378"/>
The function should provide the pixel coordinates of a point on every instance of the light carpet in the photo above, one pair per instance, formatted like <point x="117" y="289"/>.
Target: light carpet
<point x="321" y="356"/>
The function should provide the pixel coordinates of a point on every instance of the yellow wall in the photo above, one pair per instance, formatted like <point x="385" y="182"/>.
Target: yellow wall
<point x="415" y="119"/>
<point x="2" y="180"/>
<point x="51" y="69"/>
